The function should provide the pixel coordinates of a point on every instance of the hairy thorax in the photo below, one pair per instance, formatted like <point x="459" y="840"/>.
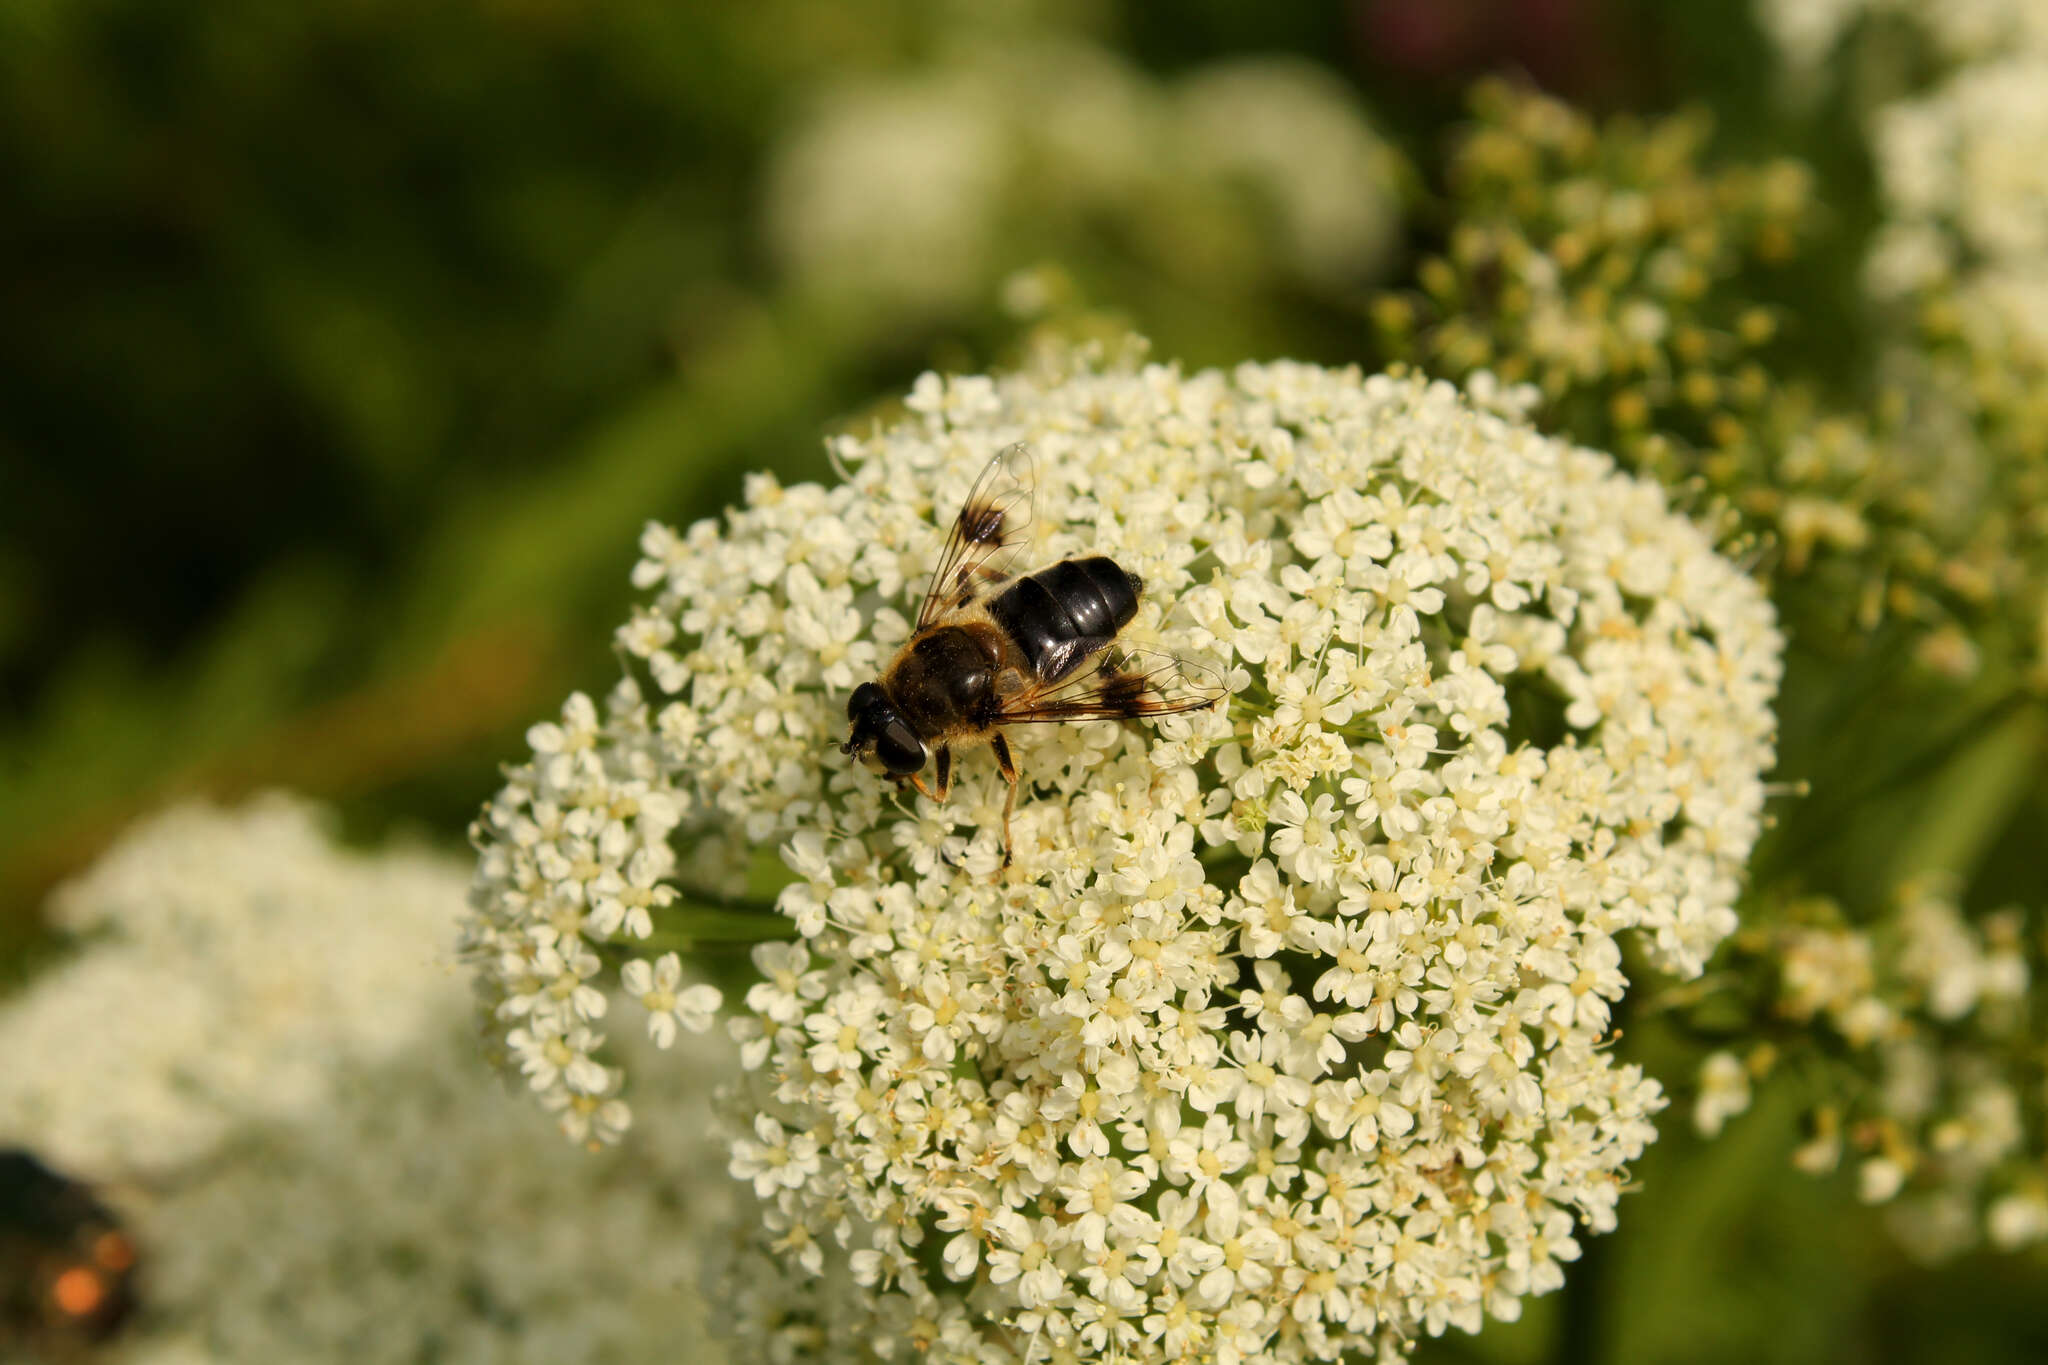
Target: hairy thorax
<point x="947" y="679"/>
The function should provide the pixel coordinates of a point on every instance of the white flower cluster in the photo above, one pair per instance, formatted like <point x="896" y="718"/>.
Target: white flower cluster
<point x="1285" y="1035"/>
<point x="1807" y="32"/>
<point x="1961" y="259"/>
<point x="1936" y="1008"/>
<point x="1962" y="163"/>
<point x="236" y="961"/>
<point x="1964" y="173"/>
<point x="920" y="190"/>
<point x="1291" y="135"/>
<point x="576" y="858"/>
<point x="427" y="1205"/>
<point x="256" y="1058"/>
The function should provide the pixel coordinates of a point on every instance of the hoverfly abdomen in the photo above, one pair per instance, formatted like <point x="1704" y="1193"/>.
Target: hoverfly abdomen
<point x="1061" y="615"/>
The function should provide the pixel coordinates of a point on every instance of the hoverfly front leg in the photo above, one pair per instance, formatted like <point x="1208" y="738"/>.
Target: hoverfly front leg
<point x="1008" y="767"/>
<point x="942" y="775"/>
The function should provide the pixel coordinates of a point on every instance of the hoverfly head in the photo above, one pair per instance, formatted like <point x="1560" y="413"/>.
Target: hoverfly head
<point x="879" y="736"/>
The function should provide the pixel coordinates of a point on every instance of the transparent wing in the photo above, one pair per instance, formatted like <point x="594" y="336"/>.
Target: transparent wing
<point x="1122" y="684"/>
<point x="985" y="535"/>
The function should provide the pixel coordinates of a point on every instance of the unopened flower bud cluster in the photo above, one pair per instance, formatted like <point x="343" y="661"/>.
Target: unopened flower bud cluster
<point x="1616" y="267"/>
<point x="1602" y="262"/>
<point x="1941" y="1113"/>
<point x="1592" y="260"/>
<point x="1286" y="1035"/>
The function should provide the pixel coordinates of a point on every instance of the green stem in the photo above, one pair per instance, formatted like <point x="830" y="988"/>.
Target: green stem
<point x="1973" y="798"/>
<point x="698" y="898"/>
<point x="683" y="928"/>
<point x="1835" y="820"/>
<point x="1581" y="1326"/>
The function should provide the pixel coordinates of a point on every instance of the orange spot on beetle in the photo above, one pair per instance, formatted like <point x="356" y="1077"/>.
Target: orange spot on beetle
<point x="77" y="1292"/>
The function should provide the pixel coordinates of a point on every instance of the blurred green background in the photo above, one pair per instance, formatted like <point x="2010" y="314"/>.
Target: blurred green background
<point x="346" y="346"/>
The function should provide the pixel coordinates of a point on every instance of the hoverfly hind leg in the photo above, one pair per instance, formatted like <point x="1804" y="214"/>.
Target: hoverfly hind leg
<point x="1007" y="765"/>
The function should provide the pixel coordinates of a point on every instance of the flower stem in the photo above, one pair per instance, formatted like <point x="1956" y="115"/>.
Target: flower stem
<point x="684" y="926"/>
<point x="1974" y="796"/>
<point x="1581" y="1325"/>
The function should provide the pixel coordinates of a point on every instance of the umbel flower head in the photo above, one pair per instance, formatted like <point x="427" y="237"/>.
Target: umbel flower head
<point x="1283" y="1037"/>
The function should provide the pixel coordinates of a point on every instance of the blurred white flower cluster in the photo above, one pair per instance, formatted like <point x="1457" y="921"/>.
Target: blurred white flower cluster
<point x="1954" y="98"/>
<point x="918" y="190"/>
<point x="1964" y="173"/>
<point x="427" y="1205"/>
<point x="1934" y="1009"/>
<point x="1962" y="163"/>
<point x="234" y="964"/>
<point x="1284" y="1038"/>
<point x="258" y="1054"/>
<point x="1807" y="32"/>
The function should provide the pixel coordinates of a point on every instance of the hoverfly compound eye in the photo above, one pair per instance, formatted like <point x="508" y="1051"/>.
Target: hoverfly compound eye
<point x="863" y="698"/>
<point x="901" y="751"/>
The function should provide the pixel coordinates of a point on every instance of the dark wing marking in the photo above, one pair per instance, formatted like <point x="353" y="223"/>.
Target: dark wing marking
<point x="1124" y="684"/>
<point x="988" y="530"/>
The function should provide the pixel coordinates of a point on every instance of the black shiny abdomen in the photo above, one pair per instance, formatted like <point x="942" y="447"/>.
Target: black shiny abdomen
<point x="1061" y="615"/>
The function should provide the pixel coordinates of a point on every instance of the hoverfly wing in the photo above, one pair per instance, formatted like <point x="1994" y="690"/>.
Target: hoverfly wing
<point x="1121" y="684"/>
<point x="990" y="527"/>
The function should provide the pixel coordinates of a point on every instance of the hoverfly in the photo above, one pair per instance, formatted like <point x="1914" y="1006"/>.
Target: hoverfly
<point x="67" y="1268"/>
<point x="991" y="650"/>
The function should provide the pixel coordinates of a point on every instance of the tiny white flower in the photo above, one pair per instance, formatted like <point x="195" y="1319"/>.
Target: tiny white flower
<point x="660" y="991"/>
<point x="1724" y="1093"/>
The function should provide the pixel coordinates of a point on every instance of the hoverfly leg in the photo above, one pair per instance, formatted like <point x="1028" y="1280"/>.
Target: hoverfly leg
<point x="1008" y="766"/>
<point x="943" y="777"/>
